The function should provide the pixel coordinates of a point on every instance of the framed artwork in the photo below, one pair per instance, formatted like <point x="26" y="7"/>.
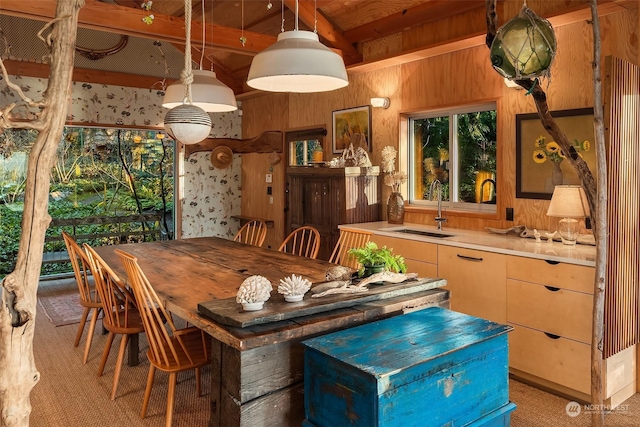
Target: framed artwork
<point x="352" y="125"/>
<point x="540" y="164"/>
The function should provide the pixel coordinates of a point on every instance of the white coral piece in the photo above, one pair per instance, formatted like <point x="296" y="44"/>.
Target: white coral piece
<point x="254" y="289"/>
<point x="294" y="285"/>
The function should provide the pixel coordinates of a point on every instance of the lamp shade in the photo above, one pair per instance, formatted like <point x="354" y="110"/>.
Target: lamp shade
<point x="299" y="63"/>
<point x="187" y="123"/>
<point x="568" y="201"/>
<point x="209" y="93"/>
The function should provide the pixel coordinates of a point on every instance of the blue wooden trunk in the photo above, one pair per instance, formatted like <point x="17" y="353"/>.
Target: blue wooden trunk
<point x="433" y="367"/>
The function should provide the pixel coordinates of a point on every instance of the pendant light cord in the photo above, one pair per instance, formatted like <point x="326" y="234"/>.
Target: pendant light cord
<point x="186" y="75"/>
<point x="204" y="34"/>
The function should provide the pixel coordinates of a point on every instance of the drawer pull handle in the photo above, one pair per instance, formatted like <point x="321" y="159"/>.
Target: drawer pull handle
<point x="552" y="336"/>
<point x="469" y="258"/>
<point x="552" y="289"/>
<point x="548" y="261"/>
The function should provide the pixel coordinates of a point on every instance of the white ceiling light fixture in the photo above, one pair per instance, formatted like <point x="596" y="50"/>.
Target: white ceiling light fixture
<point x="210" y="94"/>
<point x="298" y="63"/>
<point x="187" y="123"/>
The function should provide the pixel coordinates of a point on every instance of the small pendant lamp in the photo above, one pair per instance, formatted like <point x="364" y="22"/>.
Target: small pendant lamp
<point x="524" y="47"/>
<point x="298" y="63"/>
<point x="209" y="93"/>
<point x="187" y="123"/>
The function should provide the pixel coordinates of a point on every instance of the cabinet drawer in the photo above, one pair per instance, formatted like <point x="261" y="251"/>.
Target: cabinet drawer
<point x="476" y="280"/>
<point x="423" y="269"/>
<point x="561" y="360"/>
<point x="410" y="249"/>
<point x="562" y="275"/>
<point x="557" y="311"/>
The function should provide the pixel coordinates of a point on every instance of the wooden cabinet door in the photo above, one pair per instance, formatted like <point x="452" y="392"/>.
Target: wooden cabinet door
<point x="476" y="280"/>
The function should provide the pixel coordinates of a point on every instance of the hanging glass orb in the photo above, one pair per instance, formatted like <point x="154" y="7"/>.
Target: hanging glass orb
<point x="187" y="123"/>
<point x="524" y="47"/>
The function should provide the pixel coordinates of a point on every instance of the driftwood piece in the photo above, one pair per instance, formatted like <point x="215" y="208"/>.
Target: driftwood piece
<point x="267" y="142"/>
<point x="18" y="308"/>
<point x="596" y="196"/>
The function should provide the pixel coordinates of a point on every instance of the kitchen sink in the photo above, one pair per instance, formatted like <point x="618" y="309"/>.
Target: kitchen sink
<point x="423" y="233"/>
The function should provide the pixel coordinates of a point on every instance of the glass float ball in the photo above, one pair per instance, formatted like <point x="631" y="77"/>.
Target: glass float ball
<point x="187" y="123"/>
<point x="524" y="47"/>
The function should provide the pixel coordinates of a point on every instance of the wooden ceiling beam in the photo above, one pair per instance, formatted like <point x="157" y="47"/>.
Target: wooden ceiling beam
<point x="40" y="70"/>
<point x="560" y="18"/>
<point x="308" y="15"/>
<point x="408" y="18"/>
<point x="125" y="20"/>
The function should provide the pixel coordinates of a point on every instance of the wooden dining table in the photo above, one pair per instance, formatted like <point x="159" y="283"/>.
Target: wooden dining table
<point x="257" y="370"/>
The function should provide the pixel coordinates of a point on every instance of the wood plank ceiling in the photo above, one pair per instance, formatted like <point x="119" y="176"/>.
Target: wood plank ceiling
<point x="342" y="25"/>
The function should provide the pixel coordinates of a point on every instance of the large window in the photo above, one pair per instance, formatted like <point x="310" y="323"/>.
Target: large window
<point x="457" y="147"/>
<point x="97" y="172"/>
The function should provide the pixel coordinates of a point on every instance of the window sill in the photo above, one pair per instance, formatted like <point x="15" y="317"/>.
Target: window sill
<point x="427" y="210"/>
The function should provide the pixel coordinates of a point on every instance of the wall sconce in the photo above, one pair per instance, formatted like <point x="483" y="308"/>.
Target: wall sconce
<point x="380" y="102"/>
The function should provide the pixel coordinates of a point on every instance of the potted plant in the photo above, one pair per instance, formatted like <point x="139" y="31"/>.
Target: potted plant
<point x="375" y="260"/>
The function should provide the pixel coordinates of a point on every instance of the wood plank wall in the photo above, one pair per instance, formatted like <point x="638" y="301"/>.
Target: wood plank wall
<point x="455" y="79"/>
<point x="622" y="114"/>
<point x="272" y="114"/>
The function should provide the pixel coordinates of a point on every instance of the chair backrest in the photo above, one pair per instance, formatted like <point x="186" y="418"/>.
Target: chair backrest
<point x="252" y="233"/>
<point x="304" y="241"/>
<point x="348" y="240"/>
<point x="153" y="314"/>
<point x="117" y="301"/>
<point x="81" y="269"/>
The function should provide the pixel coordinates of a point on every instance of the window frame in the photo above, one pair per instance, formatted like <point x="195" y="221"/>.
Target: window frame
<point x="406" y="153"/>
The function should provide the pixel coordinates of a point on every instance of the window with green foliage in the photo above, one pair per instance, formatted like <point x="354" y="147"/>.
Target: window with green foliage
<point x="97" y="172"/>
<point x="457" y="147"/>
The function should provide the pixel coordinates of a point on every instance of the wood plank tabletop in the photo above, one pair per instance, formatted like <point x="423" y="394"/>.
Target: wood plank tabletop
<point x="188" y="272"/>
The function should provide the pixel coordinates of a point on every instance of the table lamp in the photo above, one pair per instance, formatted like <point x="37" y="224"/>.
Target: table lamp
<point x="568" y="202"/>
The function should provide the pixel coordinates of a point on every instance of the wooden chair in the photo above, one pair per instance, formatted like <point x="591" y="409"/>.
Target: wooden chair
<point x="304" y="241"/>
<point x="89" y="298"/>
<point x="252" y="233"/>
<point x="348" y="240"/>
<point x="121" y="316"/>
<point x="171" y="350"/>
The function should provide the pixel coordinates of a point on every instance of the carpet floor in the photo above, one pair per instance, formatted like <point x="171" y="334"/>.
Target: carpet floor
<point x="70" y="394"/>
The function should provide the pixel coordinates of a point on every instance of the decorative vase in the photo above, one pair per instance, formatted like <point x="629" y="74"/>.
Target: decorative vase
<point x="395" y="208"/>
<point x="556" y="174"/>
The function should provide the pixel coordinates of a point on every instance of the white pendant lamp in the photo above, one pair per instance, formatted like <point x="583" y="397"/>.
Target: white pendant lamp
<point x="209" y="93"/>
<point x="299" y="63"/>
<point x="186" y="122"/>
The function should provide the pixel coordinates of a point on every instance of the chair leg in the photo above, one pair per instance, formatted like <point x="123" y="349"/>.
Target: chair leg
<point x="83" y="320"/>
<point x="105" y="353"/>
<point x="147" y="392"/>
<point x="171" y="397"/>
<point x="116" y="374"/>
<point x="198" y="383"/>
<point x="92" y="328"/>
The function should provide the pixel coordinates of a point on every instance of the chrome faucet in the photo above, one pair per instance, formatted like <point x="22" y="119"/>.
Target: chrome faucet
<point x="437" y="185"/>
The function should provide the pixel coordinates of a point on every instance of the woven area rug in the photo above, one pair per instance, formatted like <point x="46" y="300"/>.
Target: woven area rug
<point x="62" y="309"/>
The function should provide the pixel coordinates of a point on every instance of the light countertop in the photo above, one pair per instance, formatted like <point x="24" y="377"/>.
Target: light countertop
<point x="509" y="244"/>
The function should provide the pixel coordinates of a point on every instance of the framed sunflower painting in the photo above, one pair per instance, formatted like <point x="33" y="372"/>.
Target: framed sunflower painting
<point x="540" y="164"/>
